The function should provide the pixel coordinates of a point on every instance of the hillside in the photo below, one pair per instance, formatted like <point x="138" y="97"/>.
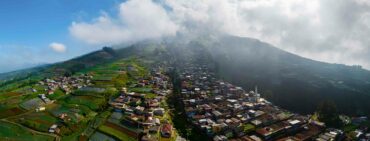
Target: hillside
<point x="290" y="81"/>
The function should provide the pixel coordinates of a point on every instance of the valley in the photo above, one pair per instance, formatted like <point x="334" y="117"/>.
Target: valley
<point x="185" y="91"/>
<point x="185" y="70"/>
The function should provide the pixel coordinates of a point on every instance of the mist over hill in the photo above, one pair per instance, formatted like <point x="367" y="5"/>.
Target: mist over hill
<point x="290" y="81"/>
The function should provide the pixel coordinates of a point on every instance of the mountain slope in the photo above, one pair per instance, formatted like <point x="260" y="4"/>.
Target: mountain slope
<point x="292" y="82"/>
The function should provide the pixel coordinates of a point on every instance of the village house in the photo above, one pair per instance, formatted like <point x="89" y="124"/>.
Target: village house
<point x="40" y="109"/>
<point x="54" y="129"/>
<point x="166" y="130"/>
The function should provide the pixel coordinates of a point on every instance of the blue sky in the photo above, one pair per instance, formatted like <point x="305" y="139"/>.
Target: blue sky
<point x="27" y="27"/>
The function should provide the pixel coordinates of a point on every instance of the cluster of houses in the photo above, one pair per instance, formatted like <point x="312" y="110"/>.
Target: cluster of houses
<point x="67" y="84"/>
<point x="146" y="113"/>
<point x="224" y="111"/>
<point x="362" y="132"/>
<point x="55" y="128"/>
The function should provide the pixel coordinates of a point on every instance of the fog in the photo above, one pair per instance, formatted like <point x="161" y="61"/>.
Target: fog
<point x="334" y="31"/>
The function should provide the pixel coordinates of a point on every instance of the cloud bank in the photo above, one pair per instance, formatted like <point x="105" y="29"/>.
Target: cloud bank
<point x="58" y="47"/>
<point x="335" y="31"/>
<point x="136" y="20"/>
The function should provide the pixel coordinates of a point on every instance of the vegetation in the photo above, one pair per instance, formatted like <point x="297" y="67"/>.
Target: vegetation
<point x="77" y="130"/>
<point x="248" y="128"/>
<point x="94" y="103"/>
<point x="56" y="95"/>
<point x="327" y="112"/>
<point x="10" y="111"/>
<point x="120" y="80"/>
<point x="10" y="131"/>
<point x="86" y="108"/>
<point x="38" y="121"/>
<point x="141" y="90"/>
<point x="290" y="81"/>
<point x="179" y="118"/>
<point x="116" y="133"/>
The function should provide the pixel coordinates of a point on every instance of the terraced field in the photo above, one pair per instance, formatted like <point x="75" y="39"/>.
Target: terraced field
<point x="40" y="121"/>
<point x="10" y="131"/>
<point x="10" y="111"/>
<point x="118" y="132"/>
<point x="87" y="109"/>
<point x="93" y="102"/>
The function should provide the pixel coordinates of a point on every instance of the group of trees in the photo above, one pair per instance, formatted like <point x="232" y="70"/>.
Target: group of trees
<point x="328" y="113"/>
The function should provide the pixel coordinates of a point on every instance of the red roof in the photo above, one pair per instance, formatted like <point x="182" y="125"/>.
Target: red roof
<point x="167" y="128"/>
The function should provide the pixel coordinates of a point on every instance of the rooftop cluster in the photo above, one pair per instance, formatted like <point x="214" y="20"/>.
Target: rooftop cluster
<point x="142" y="106"/>
<point x="227" y="112"/>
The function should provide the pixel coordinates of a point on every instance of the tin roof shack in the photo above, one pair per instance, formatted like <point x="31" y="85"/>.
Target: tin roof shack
<point x="331" y="135"/>
<point x="273" y="131"/>
<point x="166" y="130"/>
<point x="40" y="109"/>
<point x="54" y="129"/>
<point x="309" y="131"/>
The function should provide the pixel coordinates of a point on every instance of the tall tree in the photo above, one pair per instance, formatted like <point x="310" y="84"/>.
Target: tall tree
<point x="328" y="113"/>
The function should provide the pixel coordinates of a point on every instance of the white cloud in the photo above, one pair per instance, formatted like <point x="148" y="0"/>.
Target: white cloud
<point x="136" y="20"/>
<point x="334" y="31"/>
<point x="58" y="47"/>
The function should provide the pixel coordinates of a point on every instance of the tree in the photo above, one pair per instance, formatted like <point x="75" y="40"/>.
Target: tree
<point x="328" y="113"/>
<point x="188" y="132"/>
<point x="68" y="74"/>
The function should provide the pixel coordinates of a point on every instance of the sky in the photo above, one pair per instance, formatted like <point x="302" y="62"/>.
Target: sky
<point x="38" y="31"/>
<point x="34" y="32"/>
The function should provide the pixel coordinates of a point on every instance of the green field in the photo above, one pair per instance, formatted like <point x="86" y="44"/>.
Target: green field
<point x="10" y="111"/>
<point x="40" y="121"/>
<point x="90" y="91"/>
<point x="56" y="95"/>
<point x="31" y="103"/>
<point x="9" y="94"/>
<point x="118" y="134"/>
<point x="10" y="131"/>
<point x="77" y="113"/>
<point x="74" y="136"/>
<point x="94" y="103"/>
<point x="150" y="95"/>
<point x="98" y="136"/>
<point x="248" y="128"/>
<point x="141" y="89"/>
<point x="88" y="108"/>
